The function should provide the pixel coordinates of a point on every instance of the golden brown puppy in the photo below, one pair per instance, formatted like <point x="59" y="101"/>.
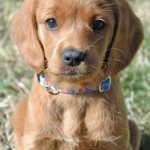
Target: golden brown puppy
<point x="77" y="48"/>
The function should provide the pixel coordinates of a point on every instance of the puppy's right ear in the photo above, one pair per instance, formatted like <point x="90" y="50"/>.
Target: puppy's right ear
<point x="24" y="30"/>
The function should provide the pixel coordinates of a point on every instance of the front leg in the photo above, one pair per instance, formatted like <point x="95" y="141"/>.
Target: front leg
<point x="28" y="142"/>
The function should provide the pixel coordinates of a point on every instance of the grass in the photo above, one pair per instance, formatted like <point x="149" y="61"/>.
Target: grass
<point x="136" y="78"/>
<point x="14" y="76"/>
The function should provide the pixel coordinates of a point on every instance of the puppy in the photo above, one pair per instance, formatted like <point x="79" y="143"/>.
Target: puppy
<point x="76" y="49"/>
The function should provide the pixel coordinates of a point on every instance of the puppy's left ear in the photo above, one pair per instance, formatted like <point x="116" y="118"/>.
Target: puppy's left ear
<point x="128" y="35"/>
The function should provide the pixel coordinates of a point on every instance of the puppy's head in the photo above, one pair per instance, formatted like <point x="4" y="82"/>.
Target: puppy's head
<point x="78" y="38"/>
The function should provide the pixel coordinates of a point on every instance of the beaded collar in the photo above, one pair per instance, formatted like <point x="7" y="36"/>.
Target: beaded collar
<point x="104" y="86"/>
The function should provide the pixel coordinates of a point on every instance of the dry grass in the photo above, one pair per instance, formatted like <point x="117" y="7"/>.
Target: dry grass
<point x="15" y="77"/>
<point x="12" y="82"/>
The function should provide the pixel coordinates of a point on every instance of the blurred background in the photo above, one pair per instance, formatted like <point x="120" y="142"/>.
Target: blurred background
<point x="16" y="77"/>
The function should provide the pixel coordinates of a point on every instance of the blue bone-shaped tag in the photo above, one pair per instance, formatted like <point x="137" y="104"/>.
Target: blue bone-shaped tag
<point x="105" y="85"/>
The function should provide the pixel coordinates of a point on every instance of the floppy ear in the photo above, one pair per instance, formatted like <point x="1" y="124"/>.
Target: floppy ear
<point x="24" y="30"/>
<point x="128" y="35"/>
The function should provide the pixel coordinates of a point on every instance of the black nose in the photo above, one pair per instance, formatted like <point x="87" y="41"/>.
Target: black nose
<point x="73" y="57"/>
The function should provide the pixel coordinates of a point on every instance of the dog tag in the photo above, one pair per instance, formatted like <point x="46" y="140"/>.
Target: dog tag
<point x="105" y="85"/>
<point x="53" y="90"/>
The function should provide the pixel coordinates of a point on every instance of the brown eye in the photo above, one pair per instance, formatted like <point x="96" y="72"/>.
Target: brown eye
<point x="51" y="24"/>
<point x="97" y="25"/>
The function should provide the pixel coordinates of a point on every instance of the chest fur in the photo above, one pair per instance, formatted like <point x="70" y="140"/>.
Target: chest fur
<point x="79" y="118"/>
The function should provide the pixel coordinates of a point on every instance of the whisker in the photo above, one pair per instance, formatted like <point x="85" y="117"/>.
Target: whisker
<point x="116" y="60"/>
<point x="119" y="60"/>
<point x="92" y="46"/>
<point x="95" y="42"/>
<point x="116" y="49"/>
<point x="105" y="68"/>
<point x="93" y="67"/>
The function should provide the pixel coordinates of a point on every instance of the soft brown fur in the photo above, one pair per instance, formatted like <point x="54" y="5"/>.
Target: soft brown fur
<point x="94" y="121"/>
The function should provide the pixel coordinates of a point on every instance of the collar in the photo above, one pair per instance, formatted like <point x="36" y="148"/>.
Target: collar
<point x="104" y="86"/>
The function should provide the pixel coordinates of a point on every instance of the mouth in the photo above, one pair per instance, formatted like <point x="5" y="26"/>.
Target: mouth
<point x="84" y="73"/>
<point x="77" y="76"/>
<point x="71" y="73"/>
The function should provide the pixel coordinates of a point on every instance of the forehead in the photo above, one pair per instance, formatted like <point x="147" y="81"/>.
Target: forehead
<point x="72" y="3"/>
<point x="73" y="7"/>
